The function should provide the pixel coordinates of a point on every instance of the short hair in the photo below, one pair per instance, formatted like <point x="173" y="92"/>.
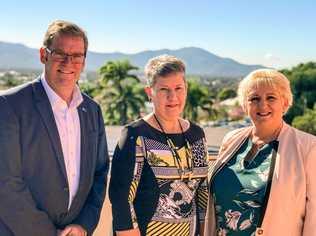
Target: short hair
<point x="162" y="66"/>
<point x="270" y="77"/>
<point x="60" y="27"/>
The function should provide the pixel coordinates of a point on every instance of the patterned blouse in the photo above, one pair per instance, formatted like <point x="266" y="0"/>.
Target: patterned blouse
<point x="239" y="189"/>
<point x="146" y="188"/>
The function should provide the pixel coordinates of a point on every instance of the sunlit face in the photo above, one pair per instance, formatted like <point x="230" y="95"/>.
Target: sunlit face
<point x="168" y="96"/>
<point x="265" y="106"/>
<point x="63" y="75"/>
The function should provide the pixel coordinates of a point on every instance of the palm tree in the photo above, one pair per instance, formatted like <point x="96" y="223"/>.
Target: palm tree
<point x="117" y="71"/>
<point x="197" y="100"/>
<point x="121" y="95"/>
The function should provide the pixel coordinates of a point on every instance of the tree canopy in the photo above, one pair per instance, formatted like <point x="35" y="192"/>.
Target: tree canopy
<point x="121" y="94"/>
<point x="303" y="85"/>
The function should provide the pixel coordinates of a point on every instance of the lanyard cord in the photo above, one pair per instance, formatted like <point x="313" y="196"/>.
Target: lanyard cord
<point x="174" y="152"/>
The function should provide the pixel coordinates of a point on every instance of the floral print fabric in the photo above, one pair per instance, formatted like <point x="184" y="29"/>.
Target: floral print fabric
<point x="239" y="189"/>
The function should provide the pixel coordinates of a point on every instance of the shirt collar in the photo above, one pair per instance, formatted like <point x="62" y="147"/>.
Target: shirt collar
<point x="56" y="100"/>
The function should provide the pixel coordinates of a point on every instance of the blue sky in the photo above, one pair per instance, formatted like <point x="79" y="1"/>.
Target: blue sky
<point x="275" y="33"/>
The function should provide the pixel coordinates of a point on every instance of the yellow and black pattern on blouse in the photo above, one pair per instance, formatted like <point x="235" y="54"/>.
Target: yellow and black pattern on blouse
<point x="134" y="184"/>
<point x="148" y="191"/>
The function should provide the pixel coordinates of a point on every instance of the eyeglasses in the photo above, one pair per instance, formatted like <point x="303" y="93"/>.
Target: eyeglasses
<point x="60" y="56"/>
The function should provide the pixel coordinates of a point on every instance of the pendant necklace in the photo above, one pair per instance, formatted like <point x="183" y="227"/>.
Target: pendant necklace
<point x="183" y="171"/>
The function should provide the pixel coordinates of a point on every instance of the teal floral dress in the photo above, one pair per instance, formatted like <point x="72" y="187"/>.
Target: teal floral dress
<point x="239" y="189"/>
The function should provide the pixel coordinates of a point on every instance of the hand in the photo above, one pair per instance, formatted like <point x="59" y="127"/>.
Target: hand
<point x="73" y="230"/>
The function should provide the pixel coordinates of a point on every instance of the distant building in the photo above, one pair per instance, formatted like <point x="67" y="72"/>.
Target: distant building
<point x="234" y="110"/>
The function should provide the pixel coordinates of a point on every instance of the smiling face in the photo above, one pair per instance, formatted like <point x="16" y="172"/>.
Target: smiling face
<point x="168" y="95"/>
<point x="63" y="75"/>
<point x="265" y="106"/>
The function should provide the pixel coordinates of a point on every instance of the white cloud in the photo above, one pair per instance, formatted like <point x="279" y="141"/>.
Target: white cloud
<point x="271" y="57"/>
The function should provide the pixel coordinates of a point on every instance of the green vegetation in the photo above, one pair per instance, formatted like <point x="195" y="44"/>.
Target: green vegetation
<point x="121" y="95"/>
<point x="9" y="80"/>
<point x="198" y="101"/>
<point x="12" y="78"/>
<point x="303" y="84"/>
<point x="226" y="93"/>
<point x="306" y="122"/>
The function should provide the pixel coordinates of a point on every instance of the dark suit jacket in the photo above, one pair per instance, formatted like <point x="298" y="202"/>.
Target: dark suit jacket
<point x="34" y="190"/>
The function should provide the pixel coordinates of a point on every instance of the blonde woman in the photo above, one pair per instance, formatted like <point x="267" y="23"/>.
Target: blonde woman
<point x="264" y="180"/>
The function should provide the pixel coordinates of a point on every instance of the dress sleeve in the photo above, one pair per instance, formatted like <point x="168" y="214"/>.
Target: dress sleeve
<point x="202" y="191"/>
<point x="125" y="175"/>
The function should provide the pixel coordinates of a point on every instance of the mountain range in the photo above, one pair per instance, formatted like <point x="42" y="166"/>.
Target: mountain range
<point x="198" y="61"/>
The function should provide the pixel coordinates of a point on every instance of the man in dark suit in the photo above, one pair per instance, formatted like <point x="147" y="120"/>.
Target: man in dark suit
<point x="53" y="152"/>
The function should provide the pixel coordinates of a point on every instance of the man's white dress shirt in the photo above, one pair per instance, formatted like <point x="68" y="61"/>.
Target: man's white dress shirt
<point x="68" y="125"/>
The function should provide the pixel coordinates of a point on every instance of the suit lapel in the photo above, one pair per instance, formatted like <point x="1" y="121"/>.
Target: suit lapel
<point x="228" y="150"/>
<point x="46" y="112"/>
<point x="84" y="157"/>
